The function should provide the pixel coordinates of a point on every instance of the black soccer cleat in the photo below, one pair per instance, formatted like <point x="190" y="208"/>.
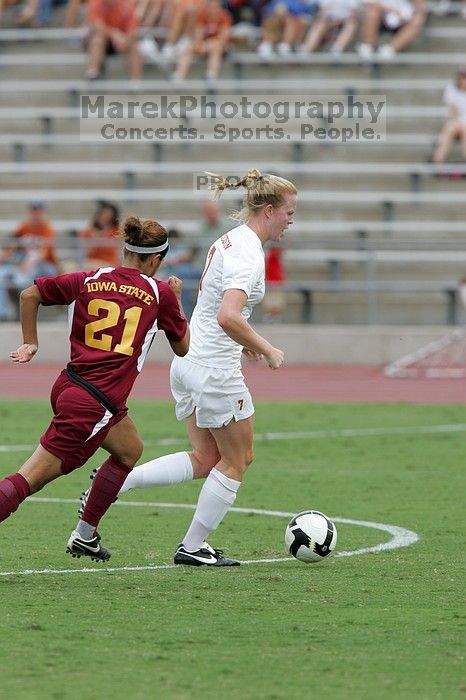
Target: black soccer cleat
<point x="206" y="556"/>
<point x="78" y="547"/>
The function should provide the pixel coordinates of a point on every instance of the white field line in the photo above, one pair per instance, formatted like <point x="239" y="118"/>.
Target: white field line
<point x="303" y="435"/>
<point x="400" y="538"/>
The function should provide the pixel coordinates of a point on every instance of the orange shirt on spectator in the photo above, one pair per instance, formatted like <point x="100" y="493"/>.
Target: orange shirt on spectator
<point x="39" y="230"/>
<point x="213" y="24"/>
<point x="108" y="254"/>
<point x="118" y="15"/>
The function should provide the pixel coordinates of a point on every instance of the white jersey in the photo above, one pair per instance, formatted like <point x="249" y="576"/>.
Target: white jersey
<point x="235" y="261"/>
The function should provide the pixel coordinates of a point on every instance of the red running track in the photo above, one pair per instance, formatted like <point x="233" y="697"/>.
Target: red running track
<point x="294" y="383"/>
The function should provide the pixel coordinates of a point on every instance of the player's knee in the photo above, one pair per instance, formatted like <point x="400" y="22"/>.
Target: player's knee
<point x="131" y="453"/>
<point x="249" y="457"/>
<point x="203" y="471"/>
<point x="203" y="462"/>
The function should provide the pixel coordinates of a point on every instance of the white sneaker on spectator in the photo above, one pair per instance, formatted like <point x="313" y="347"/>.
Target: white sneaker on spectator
<point x="181" y="44"/>
<point x="283" y="49"/>
<point x="385" y="52"/>
<point x="92" y="74"/>
<point x="365" y="51"/>
<point x="265" y="49"/>
<point x="149" y="49"/>
<point x="168" y="52"/>
<point x="210" y="79"/>
<point x="335" y="50"/>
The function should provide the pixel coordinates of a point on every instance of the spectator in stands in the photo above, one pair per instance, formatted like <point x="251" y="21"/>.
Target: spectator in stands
<point x="212" y="225"/>
<point x="151" y="13"/>
<point x="455" y="127"/>
<point x="211" y="38"/>
<point x="284" y="25"/>
<point x="179" y="261"/>
<point x="337" y="19"/>
<point x="246" y="10"/>
<point x="274" y="299"/>
<point x="33" y="12"/>
<point x="182" y="19"/>
<point x="114" y="25"/>
<point x="401" y="18"/>
<point x="104" y="230"/>
<point x="33" y="256"/>
<point x="73" y="10"/>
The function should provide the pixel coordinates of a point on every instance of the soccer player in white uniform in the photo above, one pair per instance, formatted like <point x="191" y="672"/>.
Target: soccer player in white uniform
<point x="208" y="384"/>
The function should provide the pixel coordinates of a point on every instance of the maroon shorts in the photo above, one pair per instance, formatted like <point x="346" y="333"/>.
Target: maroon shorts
<point x="79" y="426"/>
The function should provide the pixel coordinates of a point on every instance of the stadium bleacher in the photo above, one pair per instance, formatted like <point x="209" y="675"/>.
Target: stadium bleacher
<point x="396" y="218"/>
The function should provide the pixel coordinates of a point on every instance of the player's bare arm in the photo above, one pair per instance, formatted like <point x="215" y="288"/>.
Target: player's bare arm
<point x="30" y="301"/>
<point x="179" y="347"/>
<point x="230" y="319"/>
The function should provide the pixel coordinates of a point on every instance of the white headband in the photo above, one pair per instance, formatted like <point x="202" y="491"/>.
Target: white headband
<point x="146" y="249"/>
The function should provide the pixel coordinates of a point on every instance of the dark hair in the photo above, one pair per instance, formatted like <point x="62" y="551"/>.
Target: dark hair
<point x="103" y="204"/>
<point x="144" y="232"/>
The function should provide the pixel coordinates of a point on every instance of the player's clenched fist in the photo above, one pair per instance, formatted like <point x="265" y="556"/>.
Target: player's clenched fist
<point x="275" y="358"/>
<point x="176" y="284"/>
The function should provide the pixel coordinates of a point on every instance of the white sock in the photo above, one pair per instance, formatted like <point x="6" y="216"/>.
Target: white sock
<point x="163" y="471"/>
<point x="215" y="500"/>
<point x="85" y="530"/>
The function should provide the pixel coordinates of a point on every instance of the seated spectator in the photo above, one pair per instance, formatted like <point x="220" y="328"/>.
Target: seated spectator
<point x="337" y="18"/>
<point x="104" y="230"/>
<point x="181" y="25"/>
<point x="38" y="12"/>
<point x="284" y="25"/>
<point x="455" y="127"/>
<point x="179" y="261"/>
<point x="401" y="18"/>
<point x="114" y="26"/>
<point x="246" y="10"/>
<point x="33" y="256"/>
<point x="150" y="13"/>
<point x="213" y="223"/>
<point x="73" y="10"/>
<point x="211" y="38"/>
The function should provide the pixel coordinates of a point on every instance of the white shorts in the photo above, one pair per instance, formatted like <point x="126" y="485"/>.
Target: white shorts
<point x="217" y="395"/>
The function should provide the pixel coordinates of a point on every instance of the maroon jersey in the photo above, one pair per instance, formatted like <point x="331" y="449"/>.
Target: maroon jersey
<point x="114" y="314"/>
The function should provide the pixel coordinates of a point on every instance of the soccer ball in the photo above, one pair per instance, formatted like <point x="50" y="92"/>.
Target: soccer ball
<point x="310" y="536"/>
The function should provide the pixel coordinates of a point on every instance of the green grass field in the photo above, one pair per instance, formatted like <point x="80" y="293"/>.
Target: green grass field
<point x="369" y="627"/>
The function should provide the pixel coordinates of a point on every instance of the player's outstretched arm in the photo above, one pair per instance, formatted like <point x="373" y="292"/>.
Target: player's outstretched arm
<point x="29" y="305"/>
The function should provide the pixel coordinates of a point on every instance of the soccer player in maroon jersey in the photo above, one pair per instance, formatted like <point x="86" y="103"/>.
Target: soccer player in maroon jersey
<point x="114" y="314"/>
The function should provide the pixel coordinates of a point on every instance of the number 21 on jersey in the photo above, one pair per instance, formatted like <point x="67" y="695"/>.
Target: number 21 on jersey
<point x="104" y="342"/>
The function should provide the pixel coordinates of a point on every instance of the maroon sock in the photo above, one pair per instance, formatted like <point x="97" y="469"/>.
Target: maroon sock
<point x="105" y="488"/>
<point x="13" y="490"/>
